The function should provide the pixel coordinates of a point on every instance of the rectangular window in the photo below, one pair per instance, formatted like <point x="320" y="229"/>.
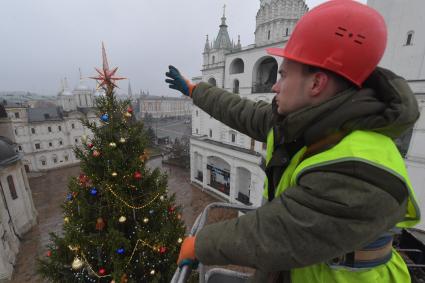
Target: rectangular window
<point x="37" y="146"/>
<point x="20" y="148"/>
<point x="76" y="140"/>
<point x="252" y="144"/>
<point x="59" y="128"/>
<point x="43" y="162"/>
<point x="55" y="160"/>
<point x="32" y="130"/>
<point x="50" y="144"/>
<point x="49" y="129"/>
<point x="66" y="157"/>
<point x="210" y="133"/>
<point x="12" y="189"/>
<point x="17" y="115"/>
<point x="60" y="143"/>
<point x="196" y="131"/>
<point x="233" y="137"/>
<point x="73" y="126"/>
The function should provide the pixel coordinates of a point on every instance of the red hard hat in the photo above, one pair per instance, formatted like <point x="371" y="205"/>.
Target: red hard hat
<point x="342" y="36"/>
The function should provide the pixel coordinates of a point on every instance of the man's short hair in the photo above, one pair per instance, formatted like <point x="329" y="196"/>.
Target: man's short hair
<point x="341" y="82"/>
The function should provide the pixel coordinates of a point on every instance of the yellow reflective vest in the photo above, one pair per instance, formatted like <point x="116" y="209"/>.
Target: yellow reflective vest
<point x="362" y="146"/>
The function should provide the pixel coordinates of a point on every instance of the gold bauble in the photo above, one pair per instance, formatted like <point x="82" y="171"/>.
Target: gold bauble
<point x="180" y="240"/>
<point x="112" y="144"/>
<point x="122" y="140"/>
<point x="145" y="220"/>
<point x="161" y="197"/>
<point x="66" y="220"/>
<point x="122" y="219"/>
<point x="77" y="263"/>
<point x="114" y="174"/>
<point x="152" y="272"/>
<point x="84" y="138"/>
<point x="127" y="114"/>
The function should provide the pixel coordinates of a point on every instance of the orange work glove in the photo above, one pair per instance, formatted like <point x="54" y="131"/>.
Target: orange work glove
<point x="187" y="253"/>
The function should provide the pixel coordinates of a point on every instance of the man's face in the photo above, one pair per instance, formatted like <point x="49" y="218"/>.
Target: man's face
<point x="291" y="88"/>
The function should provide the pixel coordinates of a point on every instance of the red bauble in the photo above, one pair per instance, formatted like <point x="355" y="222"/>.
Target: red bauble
<point x="137" y="175"/>
<point x="49" y="253"/>
<point x="90" y="145"/>
<point x="83" y="180"/>
<point x="130" y="110"/>
<point x="162" y="250"/>
<point x="171" y="209"/>
<point x="96" y="153"/>
<point x="102" y="271"/>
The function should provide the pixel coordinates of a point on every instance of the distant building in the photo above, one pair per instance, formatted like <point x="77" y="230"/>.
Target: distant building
<point x="17" y="210"/>
<point x="223" y="160"/>
<point x="157" y="107"/>
<point x="46" y="135"/>
<point x="405" y="55"/>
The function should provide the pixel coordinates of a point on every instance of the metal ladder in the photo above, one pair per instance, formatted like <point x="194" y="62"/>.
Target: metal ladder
<point x="214" y="275"/>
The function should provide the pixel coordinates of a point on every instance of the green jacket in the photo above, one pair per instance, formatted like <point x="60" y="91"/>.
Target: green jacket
<point x="312" y="222"/>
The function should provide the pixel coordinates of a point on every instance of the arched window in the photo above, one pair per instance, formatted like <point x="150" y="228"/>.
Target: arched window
<point x="236" y="86"/>
<point x="43" y="161"/>
<point x="212" y="81"/>
<point x="237" y="66"/>
<point x="409" y="38"/>
<point x="213" y="59"/>
<point x="12" y="187"/>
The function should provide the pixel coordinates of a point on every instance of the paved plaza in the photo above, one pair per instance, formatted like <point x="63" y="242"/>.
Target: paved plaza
<point x="49" y="191"/>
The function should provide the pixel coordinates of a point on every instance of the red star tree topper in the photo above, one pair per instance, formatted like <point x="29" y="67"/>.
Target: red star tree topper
<point x="106" y="78"/>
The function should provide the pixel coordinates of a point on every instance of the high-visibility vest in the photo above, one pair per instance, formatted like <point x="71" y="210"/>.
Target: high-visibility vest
<point x="361" y="146"/>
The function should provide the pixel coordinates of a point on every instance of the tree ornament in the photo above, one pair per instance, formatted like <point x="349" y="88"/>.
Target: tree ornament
<point x="171" y="209"/>
<point x="69" y="197"/>
<point x="127" y="115"/>
<point x="179" y="216"/>
<point x="73" y="248"/>
<point x="180" y="240"/>
<point x="137" y="175"/>
<point x="66" y="220"/>
<point x="83" y="180"/>
<point x="112" y="144"/>
<point x="84" y="138"/>
<point x="90" y="145"/>
<point x="152" y="272"/>
<point x="145" y="220"/>
<point x="93" y="191"/>
<point x="96" y="153"/>
<point x="120" y="251"/>
<point x="122" y="219"/>
<point x="162" y="250"/>
<point x="100" y="224"/>
<point x="151" y="211"/>
<point x="114" y="174"/>
<point x="102" y="271"/>
<point x="49" y="253"/>
<point x="122" y="140"/>
<point x="130" y="110"/>
<point x="77" y="263"/>
<point x="161" y="197"/>
<point x="105" y="117"/>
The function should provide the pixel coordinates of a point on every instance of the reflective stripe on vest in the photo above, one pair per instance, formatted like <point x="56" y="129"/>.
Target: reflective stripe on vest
<point x="362" y="146"/>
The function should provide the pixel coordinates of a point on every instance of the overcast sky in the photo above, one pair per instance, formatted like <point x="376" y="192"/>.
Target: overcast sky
<point x="45" y="40"/>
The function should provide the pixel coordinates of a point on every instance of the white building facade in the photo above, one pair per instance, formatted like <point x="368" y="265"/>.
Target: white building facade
<point x="158" y="107"/>
<point x="17" y="210"/>
<point x="405" y="55"/>
<point x="46" y="136"/>
<point x="223" y="160"/>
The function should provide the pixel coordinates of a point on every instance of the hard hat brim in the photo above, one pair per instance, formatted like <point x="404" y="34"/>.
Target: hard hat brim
<point x="276" y="51"/>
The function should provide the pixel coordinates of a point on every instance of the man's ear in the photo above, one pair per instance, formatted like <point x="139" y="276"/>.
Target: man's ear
<point x="319" y="82"/>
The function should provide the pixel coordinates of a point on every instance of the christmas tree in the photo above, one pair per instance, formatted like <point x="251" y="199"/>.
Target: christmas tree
<point x="119" y="223"/>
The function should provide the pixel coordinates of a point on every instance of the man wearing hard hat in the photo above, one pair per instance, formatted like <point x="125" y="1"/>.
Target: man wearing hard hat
<point x="337" y="188"/>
